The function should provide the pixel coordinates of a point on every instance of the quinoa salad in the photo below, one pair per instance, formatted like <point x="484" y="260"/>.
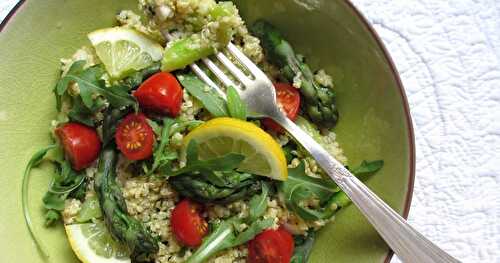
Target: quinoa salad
<point x="152" y="165"/>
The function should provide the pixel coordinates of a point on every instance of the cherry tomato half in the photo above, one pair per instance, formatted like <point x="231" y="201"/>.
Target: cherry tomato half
<point x="187" y="224"/>
<point x="134" y="137"/>
<point x="160" y="93"/>
<point x="288" y="99"/>
<point x="81" y="144"/>
<point x="271" y="246"/>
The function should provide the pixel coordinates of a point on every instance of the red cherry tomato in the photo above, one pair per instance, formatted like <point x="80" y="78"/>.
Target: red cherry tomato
<point x="81" y="144"/>
<point x="134" y="137"/>
<point x="187" y="224"/>
<point x="288" y="99"/>
<point x="160" y="93"/>
<point x="271" y="246"/>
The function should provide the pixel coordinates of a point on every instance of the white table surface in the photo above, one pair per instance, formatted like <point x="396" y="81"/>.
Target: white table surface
<point x="448" y="55"/>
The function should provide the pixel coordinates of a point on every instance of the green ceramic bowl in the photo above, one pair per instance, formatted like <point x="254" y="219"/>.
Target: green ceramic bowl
<point x="375" y="121"/>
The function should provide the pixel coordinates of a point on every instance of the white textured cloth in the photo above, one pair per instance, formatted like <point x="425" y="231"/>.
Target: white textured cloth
<point x="448" y="55"/>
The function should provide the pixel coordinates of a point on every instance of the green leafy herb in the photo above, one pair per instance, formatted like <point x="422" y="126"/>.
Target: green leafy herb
<point x="206" y="95"/>
<point x="301" y="191"/>
<point x="303" y="247"/>
<point x="53" y="201"/>
<point x="220" y="239"/>
<point x="162" y="158"/>
<point x="225" y="236"/>
<point x="65" y="182"/>
<point x="367" y="168"/>
<point x="135" y="80"/>
<point x="34" y="162"/>
<point x="180" y="126"/>
<point x="227" y="162"/>
<point x="258" y="203"/>
<point x="90" y="84"/>
<point x="236" y="107"/>
<point x="52" y="216"/>
<point x="254" y="229"/>
<point x="82" y="114"/>
<point x="363" y="171"/>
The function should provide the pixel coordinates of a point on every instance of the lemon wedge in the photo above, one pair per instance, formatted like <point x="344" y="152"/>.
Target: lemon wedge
<point x="220" y="136"/>
<point x="92" y="243"/>
<point x="124" y="50"/>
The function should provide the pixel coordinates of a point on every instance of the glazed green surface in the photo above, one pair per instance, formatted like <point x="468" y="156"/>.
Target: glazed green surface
<point x="372" y="118"/>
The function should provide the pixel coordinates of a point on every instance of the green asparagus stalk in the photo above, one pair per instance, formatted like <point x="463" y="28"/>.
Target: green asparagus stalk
<point x="123" y="227"/>
<point x="216" y="187"/>
<point x="186" y="50"/>
<point x="318" y="101"/>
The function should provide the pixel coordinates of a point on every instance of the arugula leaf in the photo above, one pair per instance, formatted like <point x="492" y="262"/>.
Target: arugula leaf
<point x="181" y="126"/>
<point x="118" y="96"/>
<point x="221" y="238"/>
<point x="367" y="168"/>
<point x="33" y="162"/>
<point x="227" y="162"/>
<point x="66" y="180"/>
<point x="303" y="247"/>
<point x="51" y="217"/>
<point x="135" y="79"/>
<point x="160" y="157"/>
<point x="363" y="171"/>
<point x="62" y="84"/>
<point x="300" y="189"/>
<point x="90" y="84"/>
<point x="82" y="114"/>
<point x="236" y="107"/>
<point x="297" y="178"/>
<point x="258" y="203"/>
<point x="225" y="236"/>
<point x="53" y="201"/>
<point x="206" y="95"/>
<point x="254" y="229"/>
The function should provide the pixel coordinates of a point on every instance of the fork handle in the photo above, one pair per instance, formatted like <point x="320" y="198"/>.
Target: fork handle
<point x="404" y="240"/>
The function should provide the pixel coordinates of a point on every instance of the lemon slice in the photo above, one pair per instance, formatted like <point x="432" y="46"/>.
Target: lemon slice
<point x="124" y="50"/>
<point x="92" y="243"/>
<point x="220" y="136"/>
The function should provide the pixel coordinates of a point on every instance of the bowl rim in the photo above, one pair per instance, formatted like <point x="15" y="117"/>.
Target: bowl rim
<point x="399" y="84"/>
<point x="406" y="108"/>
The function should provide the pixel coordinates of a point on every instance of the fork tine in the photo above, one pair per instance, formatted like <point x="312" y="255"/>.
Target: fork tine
<point x="200" y="73"/>
<point x="205" y="78"/>
<point x="245" y="61"/>
<point x="218" y="73"/>
<point x="233" y="69"/>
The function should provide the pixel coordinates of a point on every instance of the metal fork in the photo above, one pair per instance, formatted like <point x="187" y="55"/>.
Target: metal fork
<point x="259" y="94"/>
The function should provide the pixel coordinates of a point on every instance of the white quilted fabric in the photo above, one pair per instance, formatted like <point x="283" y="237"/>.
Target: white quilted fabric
<point x="448" y="54"/>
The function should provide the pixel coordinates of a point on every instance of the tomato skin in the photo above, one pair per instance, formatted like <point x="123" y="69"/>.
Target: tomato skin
<point x="160" y="93"/>
<point x="288" y="99"/>
<point x="81" y="144"/>
<point x="271" y="246"/>
<point x="187" y="224"/>
<point x="134" y="137"/>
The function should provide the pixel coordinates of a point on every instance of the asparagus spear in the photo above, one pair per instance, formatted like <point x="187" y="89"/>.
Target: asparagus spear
<point x="216" y="187"/>
<point x="189" y="49"/>
<point x="123" y="227"/>
<point x="319" y="101"/>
